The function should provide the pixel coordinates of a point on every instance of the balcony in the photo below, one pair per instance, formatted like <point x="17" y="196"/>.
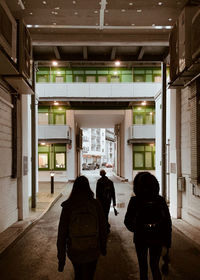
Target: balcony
<point x="97" y="90"/>
<point x="142" y="133"/>
<point x="54" y="133"/>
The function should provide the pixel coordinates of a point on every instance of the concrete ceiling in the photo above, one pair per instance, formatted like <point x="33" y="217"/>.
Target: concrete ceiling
<point x="97" y="32"/>
<point x="98" y="118"/>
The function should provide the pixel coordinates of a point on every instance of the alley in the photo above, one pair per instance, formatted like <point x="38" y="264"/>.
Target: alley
<point x="34" y="255"/>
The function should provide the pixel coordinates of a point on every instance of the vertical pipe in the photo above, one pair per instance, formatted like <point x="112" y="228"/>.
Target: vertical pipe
<point x="34" y="150"/>
<point x="163" y="177"/>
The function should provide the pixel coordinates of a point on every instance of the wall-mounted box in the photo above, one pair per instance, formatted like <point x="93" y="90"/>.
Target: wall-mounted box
<point x="181" y="183"/>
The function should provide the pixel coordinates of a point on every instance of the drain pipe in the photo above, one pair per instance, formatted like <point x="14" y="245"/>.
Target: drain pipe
<point x="163" y="177"/>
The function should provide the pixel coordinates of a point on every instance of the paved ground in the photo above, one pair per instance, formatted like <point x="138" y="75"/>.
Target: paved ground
<point x="34" y="256"/>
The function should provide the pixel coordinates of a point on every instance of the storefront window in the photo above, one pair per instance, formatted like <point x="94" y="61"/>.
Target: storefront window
<point x="43" y="159"/>
<point x="144" y="157"/>
<point x="43" y="118"/>
<point x="60" y="160"/>
<point x="90" y="79"/>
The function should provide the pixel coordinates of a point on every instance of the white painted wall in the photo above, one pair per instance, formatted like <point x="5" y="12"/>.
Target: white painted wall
<point x="142" y="131"/>
<point x="119" y="90"/>
<point x="158" y="138"/>
<point x="8" y="186"/>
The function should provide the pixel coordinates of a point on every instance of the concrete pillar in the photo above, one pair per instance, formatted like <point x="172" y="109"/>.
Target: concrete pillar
<point x="128" y="153"/>
<point x="71" y="151"/>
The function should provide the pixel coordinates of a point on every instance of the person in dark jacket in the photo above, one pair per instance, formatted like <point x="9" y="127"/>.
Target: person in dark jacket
<point x="148" y="237"/>
<point x="82" y="231"/>
<point x="105" y="193"/>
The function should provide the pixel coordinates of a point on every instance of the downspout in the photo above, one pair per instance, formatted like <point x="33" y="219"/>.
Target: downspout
<point x="163" y="176"/>
<point x="34" y="149"/>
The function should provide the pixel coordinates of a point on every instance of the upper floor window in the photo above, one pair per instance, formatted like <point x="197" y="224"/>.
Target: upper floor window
<point x="143" y="115"/>
<point x="144" y="157"/>
<point x="48" y="115"/>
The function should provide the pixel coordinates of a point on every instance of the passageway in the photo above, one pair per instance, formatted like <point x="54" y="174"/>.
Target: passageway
<point x="34" y="256"/>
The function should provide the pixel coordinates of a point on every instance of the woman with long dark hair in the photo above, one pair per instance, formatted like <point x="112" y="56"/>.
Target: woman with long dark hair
<point x="82" y="231"/>
<point x="148" y="218"/>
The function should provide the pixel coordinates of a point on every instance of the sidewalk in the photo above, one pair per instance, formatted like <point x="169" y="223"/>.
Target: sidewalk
<point x="45" y="200"/>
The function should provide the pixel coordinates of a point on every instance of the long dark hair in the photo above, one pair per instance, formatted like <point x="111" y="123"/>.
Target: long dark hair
<point x="81" y="188"/>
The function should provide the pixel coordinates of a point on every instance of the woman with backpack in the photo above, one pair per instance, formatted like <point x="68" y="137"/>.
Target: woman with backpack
<point x="148" y="218"/>
<point x="82" y="231"/>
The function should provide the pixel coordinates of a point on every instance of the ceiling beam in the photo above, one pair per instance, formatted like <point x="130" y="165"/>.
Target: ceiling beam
<point x="85" y="53"/>
<point x="101" y="18"/>
<point x="88" y="39"/>
<point x="113" y="53"/>
<point x="56" y="52"/>
<point x="140" y="53"/>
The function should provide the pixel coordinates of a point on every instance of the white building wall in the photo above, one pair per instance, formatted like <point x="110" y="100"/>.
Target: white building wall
<point x="190" y="203"/>
<point x="8" y="186"/>
<point x="158" y="140"/>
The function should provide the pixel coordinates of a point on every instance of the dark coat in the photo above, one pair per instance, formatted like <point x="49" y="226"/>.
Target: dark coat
<point x="63" y="241"/>
<point x="103" y="183"/>
<point x="130" y="220"/>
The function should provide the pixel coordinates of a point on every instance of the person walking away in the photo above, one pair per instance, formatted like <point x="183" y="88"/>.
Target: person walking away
<point x="82" y="231"/>
<point x="148" y="218"/>
<point x="105" y="193"/>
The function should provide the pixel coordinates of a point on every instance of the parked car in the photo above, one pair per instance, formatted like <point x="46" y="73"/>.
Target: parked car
<point x="108" y="164"/>
<point x="91" y="166"/>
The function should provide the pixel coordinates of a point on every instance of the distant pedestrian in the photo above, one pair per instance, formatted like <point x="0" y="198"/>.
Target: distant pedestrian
<point x="148" y="217"/>
<point x="105" y="193"/>
<point x="82" y="231"/>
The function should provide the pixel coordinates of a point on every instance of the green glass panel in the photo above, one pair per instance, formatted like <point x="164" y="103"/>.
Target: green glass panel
<point x="90" y="72"/>
<point x="44" y="109"/>
<point x="68" y="72"/>
<point x="90" y="79"/>
<point x="126" y="72"/>
<point x="78" y="72"/>
<point x="139" y="78"/>
<point x="127" y="78"/>
<point x="149" y="78"/>
<point x="59" y="79"/>
<point x="150" y="109"/>
<point x="43" y="161"/>
<point x="60" y="148"/>
<point x="148" y="160"/>
<point x="59" y="109"/>
<point x="102" y="79"/>
<point x="102" y="72"/>
<point x="138" y="119"/>
<point x="60" y="160"/>
<point x="79" y="79"/>
<point x="138" y="148"/>
<point x="69" y="78"/>
<point x="115" y="79"/>
<point x="149" y="118"/>
<point x="59" y="119"/>
<point x="153" y="148"/>
<point x="138" y="160"/>
<point x="149" y="71"/>
<point x="114" y="72"/>
<point x="43" y="118"/>
<point x="42" y="78"/>
<point x="42" y="148"/>
<point x="157" y="71"/>
<point x="148" y="148"/>
<point x="139" y="71"/>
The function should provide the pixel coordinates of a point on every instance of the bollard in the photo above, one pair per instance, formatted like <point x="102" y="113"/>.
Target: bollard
<point x="52" y="181"/>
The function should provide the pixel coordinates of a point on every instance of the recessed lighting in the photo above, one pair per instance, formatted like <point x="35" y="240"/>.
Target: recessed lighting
<point x="106" y="24"/>
<point x="44" y="2"/>
<point x="76" y="13"/>
<point x="131" y="4"/>
<point x="29" y="25"/>
<point x="36" y="25"/>
<point x="159" y="27"/>
<point x="132" y="24"/>
<point x="117" y="63"/>
<point x="96" y="12"/>
<point x="54" y="13"/>
<point x="74" y="2"/>
<point x="170" y="19"/>
<point x="160" y="3"/>
<point x="42" y="143"/>
<point x="123" y="10"/>
<point x="139" y="11"/>
<point x="144" y="103"/>
<point x="31" y="13"/>
<point x="56" y="103"/>
<point x="153" y="24"/>
<point x="57" y="8"/>
<point x="106" y="11"/>
<point x="54" y="23"/>
<point x="54" y="63"/>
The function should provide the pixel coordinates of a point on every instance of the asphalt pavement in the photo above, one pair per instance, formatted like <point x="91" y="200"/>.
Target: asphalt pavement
<point x="33" y="257"/>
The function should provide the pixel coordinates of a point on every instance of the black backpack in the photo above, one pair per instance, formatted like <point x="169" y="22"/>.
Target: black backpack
<point x="84" y="229"/>
<point x="150" y="221"/>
